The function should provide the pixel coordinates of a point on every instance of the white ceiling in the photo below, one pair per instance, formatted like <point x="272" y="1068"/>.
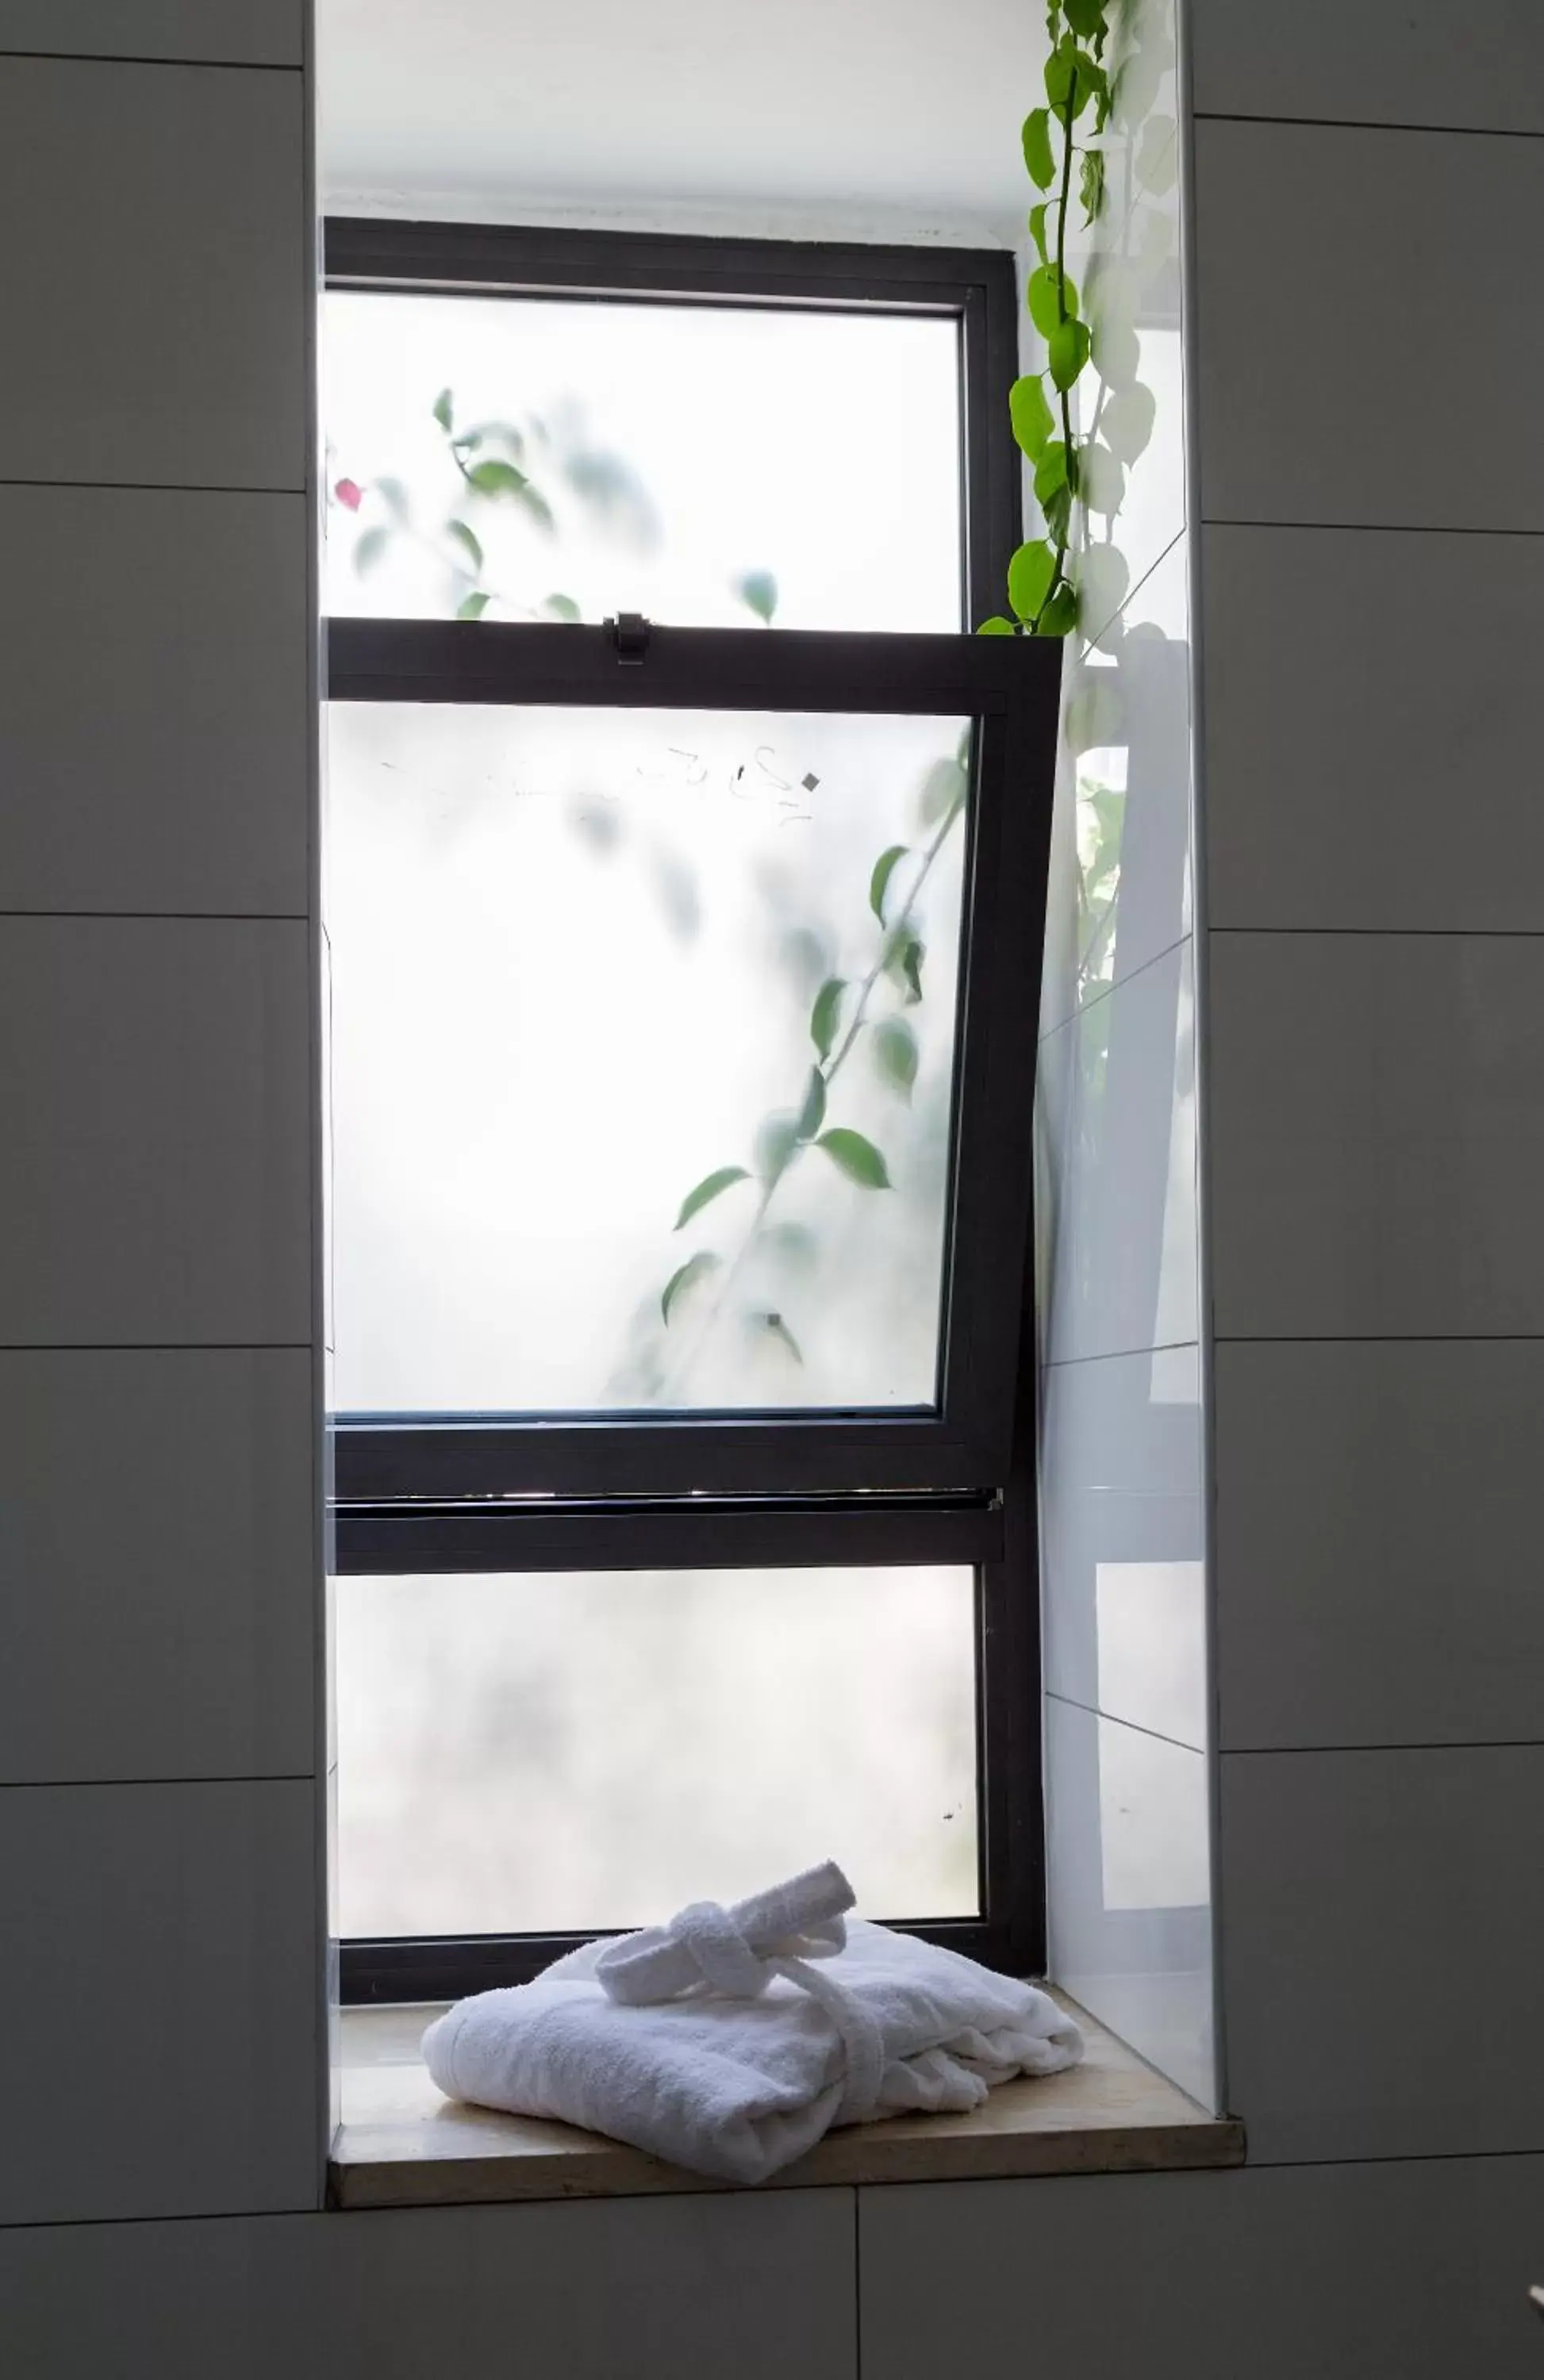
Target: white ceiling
<point x="860" y="117"/>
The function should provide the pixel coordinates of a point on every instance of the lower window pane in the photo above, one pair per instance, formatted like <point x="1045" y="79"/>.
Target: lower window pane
<point x="545" y="1753"/>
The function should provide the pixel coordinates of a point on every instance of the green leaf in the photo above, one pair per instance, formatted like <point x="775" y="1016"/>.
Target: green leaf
<point x="561" y="607"/>
<point x="902" y="963"/>
<point x="394" y="495"/>
<point x="1094" y="713"/>
<point x="1086" y="18"/>
<point x="1030" y="411"/>
<point x="1053" y="471"/>
<point x="758" y="592"/>
<point x="792" y="1244"/>
<point x="711" y="1186"/>
<point x="502" y="433"/>
<point x="894" y="1046"/>
<point x="884" y="868"/>
<point x="1127" y="420"/>
<point x="1060" y="616"/>
<point x="1057" y="508"/>
<point x="777" y="1136"/>
<point x="1103" y="575"/>
<point x="776" y="1327"/>
<point x="997" y="627"/>
<point x="1116" y="353"/>
<point x="1037" y="148"/>
<point x="1060" y="68"/>
<point x="472" y="606"/>
<point x="857" y="1158"/>
<point x="369" y="547"/>
<point x="495" y="479"/>
<point x="1158" y="155"/>
<point x="1046" y="284"/>
<point x="1090" y="184"/>
<point x="536" y="505"/>
<point x="826" y="1015"/>
<point x="1037" y="228"/>
<point x="1092" y="83"/>
<point x="470" y="544"/>
<point x="686" y="1277"/>
<point x="1030" y="576"/>
<point x="443" y="410"/>
<point x="1069" y="352"/>
<point x="1102" y="480"/>
<point x="813" y="1115"/>
<point x="942" y="792"/>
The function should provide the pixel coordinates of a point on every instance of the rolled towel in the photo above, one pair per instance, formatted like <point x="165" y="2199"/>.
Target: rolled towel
<point x="731" y="2039"/>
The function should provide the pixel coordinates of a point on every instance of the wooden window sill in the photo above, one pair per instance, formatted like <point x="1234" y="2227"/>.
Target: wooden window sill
<point x="399" y="2143"/>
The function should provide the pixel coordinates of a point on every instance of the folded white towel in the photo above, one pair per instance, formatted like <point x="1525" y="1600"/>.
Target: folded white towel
<point x="729" y="2040"/>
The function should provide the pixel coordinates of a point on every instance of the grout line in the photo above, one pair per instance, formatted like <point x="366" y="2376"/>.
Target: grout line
<point x="154" y="487"/>
<point x="1367" y="124"/>
<point x="857" y="2284"/>
<point x="133" y="58"/>
<point x="1275" y="1751"/>
<point x="1377" y="1339"/>
<point x="1136" y="1729"/>
<point x="1118" y="1355"/>
<point x="1092" y="636"/>
<point x="1394" y="2157"/>
<point x="1105" y="990"/>
<point x="1399" y="933"/>
<point x="156" y="1346"/>
<point x="115" y="1784"/>
<point x="168" y="916"/>
<point x="1372" y="528"/>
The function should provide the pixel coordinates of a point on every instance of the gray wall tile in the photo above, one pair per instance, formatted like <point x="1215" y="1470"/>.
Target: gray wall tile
<point x="1361" y="772"/>
<point x="157" y="1546"/>
<point x="230" y="33"/>
<point x="1378" y="1579"/>
<point x="1118" y="1105"/>
<point x="1361" y="2272"/>
<point x="1377" y="1135"/>
<point x="1353" y="421"/>
<point x="1380" y="1952"/>
<point x="1129" y="1892"/>
<point x="1381" y="62"/>
<point x="760" y="2283"/>
<point x="156" y="1171"/>
<point x="1123" y="1586"/>
<point x="158" y="302"/>
<point x="154" y="707"/>
<point x="159" y="2004"/>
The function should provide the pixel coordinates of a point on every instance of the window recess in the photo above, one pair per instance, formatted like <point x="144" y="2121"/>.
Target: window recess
<point x="684" y="984"/>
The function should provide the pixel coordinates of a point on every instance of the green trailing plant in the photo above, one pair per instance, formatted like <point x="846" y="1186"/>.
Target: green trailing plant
<point x="846" y="1016"/>
<point x="1050" y="587"/>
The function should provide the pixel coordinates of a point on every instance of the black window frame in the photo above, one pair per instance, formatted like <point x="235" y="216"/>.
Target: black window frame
<point x="448" y="1495"/>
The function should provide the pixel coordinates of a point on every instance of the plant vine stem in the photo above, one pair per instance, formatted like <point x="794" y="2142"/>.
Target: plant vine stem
<point x="1066" y="113"/>
<point x="827" y="1075"/>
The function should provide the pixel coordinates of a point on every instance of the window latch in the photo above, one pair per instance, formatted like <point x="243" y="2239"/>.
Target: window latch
<point x="629" y="633"/>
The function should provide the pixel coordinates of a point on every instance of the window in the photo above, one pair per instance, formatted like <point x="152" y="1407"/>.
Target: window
<point x="685" y="878"/>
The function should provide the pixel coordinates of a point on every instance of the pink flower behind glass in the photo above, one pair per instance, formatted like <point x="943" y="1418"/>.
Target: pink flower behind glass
<point x="349" y="492"/>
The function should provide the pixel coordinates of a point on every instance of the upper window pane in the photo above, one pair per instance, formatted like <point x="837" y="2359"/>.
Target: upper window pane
<point x="701" y="464"/>
<point x="595" y="969"/>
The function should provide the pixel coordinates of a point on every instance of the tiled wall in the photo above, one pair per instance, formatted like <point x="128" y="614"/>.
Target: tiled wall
<point x="1373" y="614"/>
<point x="1128" y="1733"/>
<point x="158" y="1547"/>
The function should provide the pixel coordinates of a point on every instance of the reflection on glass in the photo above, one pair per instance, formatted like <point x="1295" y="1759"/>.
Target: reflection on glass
<point x="595" y="970"/>
<point x="552" y="1752"/>
<point x="541" y="457"/>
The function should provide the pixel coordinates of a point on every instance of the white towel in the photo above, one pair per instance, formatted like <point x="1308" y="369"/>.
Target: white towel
<point x="730" y="2040"/>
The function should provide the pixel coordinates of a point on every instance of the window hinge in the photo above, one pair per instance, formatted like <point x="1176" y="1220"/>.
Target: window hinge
<point x="630" y="633"/>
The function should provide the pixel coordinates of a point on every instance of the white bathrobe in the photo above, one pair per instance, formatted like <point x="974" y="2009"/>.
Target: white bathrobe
<point x="729" y="2041"/>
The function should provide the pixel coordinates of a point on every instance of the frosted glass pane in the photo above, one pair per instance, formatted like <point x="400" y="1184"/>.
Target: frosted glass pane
<point x="671" y="453"/>
<point x="544" y="1753"/>
<point x="576" y="960"/>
